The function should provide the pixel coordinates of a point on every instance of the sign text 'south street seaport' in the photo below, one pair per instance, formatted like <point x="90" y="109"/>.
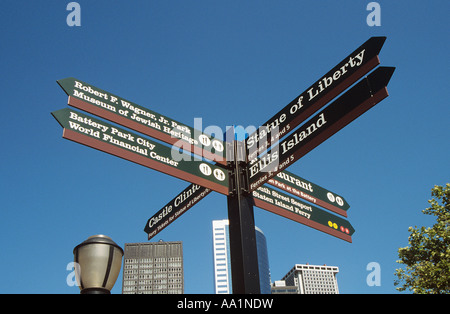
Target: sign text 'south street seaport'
<point x="292" y="208"/>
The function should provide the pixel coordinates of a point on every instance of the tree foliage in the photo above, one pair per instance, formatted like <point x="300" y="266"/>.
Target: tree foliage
<point x="427" y="258"/>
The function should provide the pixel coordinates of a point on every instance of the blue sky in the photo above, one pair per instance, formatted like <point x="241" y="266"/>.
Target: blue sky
<point x="228" y="62"/>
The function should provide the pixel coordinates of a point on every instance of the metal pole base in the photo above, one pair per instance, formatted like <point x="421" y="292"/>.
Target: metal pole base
<point x="95" y="291"/>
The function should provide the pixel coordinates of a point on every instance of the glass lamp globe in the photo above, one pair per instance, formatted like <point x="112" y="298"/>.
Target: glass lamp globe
<point x="98" y="262"/>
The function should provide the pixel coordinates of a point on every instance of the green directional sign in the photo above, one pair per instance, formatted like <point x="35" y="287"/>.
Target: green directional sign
<point x="343" y="75"/>
<point x="175" y="208"/>
<point x="106" y="105"/>
<point x="292" y="208"/>
<point x="309" y="191"/>
<point x="356" y="101"/>
<point x="108" y="138"/>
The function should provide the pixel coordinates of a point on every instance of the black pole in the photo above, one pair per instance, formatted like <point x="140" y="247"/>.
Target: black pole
<point x="95" y="291"/>
<point x="244" y="257"/>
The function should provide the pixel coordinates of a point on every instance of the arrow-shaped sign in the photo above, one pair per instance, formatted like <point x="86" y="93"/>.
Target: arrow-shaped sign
<point x="343" y="75"/>
<point x="175" y="208"/>
<point x="292" y="208"/>
<point x="360" y="98"/>
<point x="84" y="129"/>
<point x="119" y="110"/>
<point x="309" y="191"/>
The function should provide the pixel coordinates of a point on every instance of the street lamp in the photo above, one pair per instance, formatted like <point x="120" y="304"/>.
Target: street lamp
<point x="98" y="262"/>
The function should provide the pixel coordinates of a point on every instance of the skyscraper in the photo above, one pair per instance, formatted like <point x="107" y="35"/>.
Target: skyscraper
<point x="221" y="256"/>
<point x="153" y="268"/>
<point x="313" y="279"/>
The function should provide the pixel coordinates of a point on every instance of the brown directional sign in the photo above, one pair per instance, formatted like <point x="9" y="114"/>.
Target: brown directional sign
<point x="343" y="75"/>
<point x="292" y="208"/>
<point x="119" y="110"/>
<point x="175" y="208"/>
<point x="86" y="130"/>
<point x="360" y="98"/>
<point x="309" y="191"/>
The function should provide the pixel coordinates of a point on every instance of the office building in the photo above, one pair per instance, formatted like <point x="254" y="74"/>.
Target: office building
<point x="221" y="256"/>
<point x="313" y="279"/>
<point x="153" y="268"/>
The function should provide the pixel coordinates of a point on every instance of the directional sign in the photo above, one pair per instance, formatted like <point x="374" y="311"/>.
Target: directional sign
<point x="347" y="72"/>
<point x="309" y="191"/>
<point x="105" y="137"/>
<point x="116" y="109"/>
<point x="296" y="210"/>
<point x="360" y="98"/>
<point x="175" y="208"/>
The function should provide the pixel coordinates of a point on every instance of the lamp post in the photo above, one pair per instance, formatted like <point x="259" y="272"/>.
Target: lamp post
<point x="99" y="260"/>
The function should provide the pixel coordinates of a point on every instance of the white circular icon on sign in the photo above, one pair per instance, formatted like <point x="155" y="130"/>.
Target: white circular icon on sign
<point x="204" y="140"/>
<point x="205" y="169"/>
<point x="219" y="174"/>
<point x="217" y="145"/>
<point x="331" y="197"/>
<point x="340" y="201"/>
<point x="336" y="199"/>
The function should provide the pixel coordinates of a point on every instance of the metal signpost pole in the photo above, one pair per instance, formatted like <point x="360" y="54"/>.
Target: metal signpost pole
<point x="244" y="257"/>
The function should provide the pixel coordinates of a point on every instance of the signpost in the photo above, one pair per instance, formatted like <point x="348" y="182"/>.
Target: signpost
<point x="242" y="168"/>
<point x="105" y="137"/>
<point x="126" y="113"/>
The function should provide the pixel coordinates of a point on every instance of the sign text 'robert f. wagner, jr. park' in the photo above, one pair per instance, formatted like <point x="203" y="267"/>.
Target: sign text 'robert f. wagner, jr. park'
<point x="251" y="172"/>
